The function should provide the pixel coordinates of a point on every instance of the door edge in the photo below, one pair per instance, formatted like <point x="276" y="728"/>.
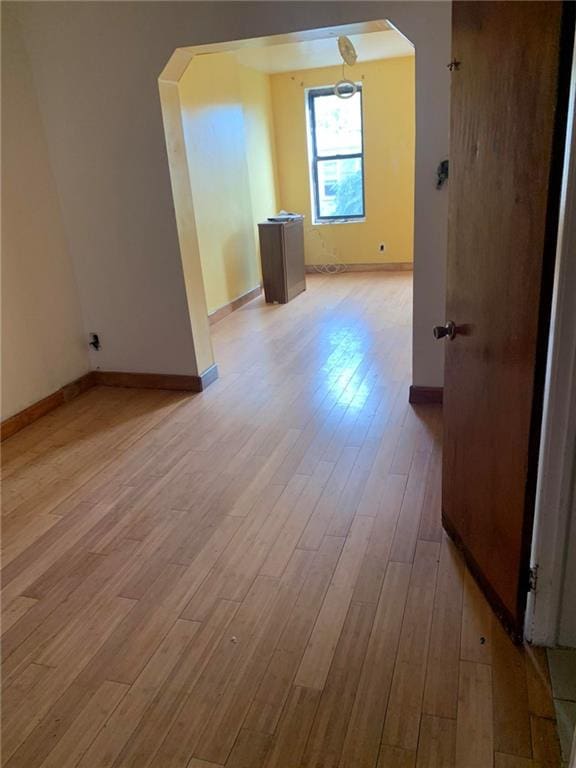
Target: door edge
<point x="514" y="628"/>
<point x="566" y="51"/>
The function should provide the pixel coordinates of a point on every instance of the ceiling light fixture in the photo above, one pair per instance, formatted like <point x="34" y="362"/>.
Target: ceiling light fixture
<point x="345" y="88"/>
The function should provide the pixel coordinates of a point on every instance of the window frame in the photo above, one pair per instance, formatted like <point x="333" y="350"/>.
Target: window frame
<point x="311" y="95"/>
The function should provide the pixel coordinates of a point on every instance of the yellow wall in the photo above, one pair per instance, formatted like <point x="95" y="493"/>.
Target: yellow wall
<point x="389" y="129"/>
<point x="247" y="155"/>
<point x="229" y="146"/>
<point x="256" y="95"/>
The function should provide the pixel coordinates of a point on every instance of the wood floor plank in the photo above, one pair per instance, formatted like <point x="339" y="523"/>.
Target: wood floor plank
<point x="442" y="673"/>
<point x="233" y="650"/>
<point x="67" y="600"/>
<point x="293" y="729"/>
<point x="223" y="578"/>
<point x="78" y="737"/>
<point x="474" y="727"/>
<point x="128" y="649"/>
<point x="373" y="568"/>
<point x="50" y="727"/>
<point x="19" y="689"/>
<point x="273" y="691"/>
<point x="250" y="749"/>
<point x="511" y="704"/>
<point x="304" y="614"/>
<point x="545" y="742"/>
<point x="395" y="757"/>
<point x="247" y="499"/>
<point x="364" y="729"/>
<point x="20" y="723"/>
<point x="326" y="739"/>
<point x="219" y="734"/>
<point x="276" y="683"/>
<point x="431" y="518"/>
<point x="15" y="610"/>
<point x="245" y="577"/>
<point x="282" y="549"/>
<point x="141" y="747"/>
<point x="538" y="683"/>
<point x="502" y="760"/>
<point x="348" y="503"/>
<point x="322" y="644"/>
<point x="405" y="703"/>
<point x="476" y="640"/>
<point x="28" y="535"/>
<point x="125" y="718"/>
<point x="36" y="564"/>
<point x="406" y="533"/>
<point x="436" y="743"/>
<point x="323" y="513"/>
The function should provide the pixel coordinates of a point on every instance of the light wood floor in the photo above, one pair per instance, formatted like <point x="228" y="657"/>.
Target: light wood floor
<point x="256" y="576"/>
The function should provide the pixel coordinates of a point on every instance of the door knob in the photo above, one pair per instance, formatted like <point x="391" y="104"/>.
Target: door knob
<point x="448" y="330"/>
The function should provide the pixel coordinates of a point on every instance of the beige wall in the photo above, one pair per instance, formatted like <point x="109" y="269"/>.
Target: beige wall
<point x="44" y="344"/>
<point x="96" y="68"/>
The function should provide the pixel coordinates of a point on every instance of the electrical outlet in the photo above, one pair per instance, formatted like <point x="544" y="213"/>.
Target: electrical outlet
<point x="94" y="341"/>
<point x="382" y="247"/>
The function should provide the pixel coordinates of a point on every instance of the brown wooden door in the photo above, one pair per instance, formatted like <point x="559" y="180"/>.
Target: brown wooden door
<point x="508" y="105"/>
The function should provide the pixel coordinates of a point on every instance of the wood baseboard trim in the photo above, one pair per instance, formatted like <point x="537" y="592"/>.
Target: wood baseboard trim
<point x="32" y="413"/>
<point x="227" y="309"/>
<point x="208" y="376"/>
<point x="400" y="266"/>
<point x="425" y="395"/>
<point x="175" y="382"/>
<point x="516" y="632"/>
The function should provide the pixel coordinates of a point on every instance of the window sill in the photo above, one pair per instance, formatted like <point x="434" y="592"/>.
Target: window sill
<point x="322" y="223"/>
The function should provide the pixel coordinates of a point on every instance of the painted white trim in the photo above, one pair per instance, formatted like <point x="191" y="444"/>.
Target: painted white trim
<point x="557" y="464"/>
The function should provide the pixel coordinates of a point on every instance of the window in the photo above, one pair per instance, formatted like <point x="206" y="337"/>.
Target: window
<point x="335" y="140"/>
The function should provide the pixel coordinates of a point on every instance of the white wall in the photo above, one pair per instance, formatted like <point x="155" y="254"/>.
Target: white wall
<point x="567" y="618"/>
<point x="551" y="609"/>
<point x="44" y="344"/>
<point x="96" y="66"/>
<point x="567" y="353"/>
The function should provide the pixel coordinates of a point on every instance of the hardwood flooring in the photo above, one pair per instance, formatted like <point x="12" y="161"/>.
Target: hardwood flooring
<point x="256" y="576"/>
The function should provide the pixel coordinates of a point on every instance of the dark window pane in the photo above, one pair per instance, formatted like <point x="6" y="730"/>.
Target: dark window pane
<point x="340" y="188"/>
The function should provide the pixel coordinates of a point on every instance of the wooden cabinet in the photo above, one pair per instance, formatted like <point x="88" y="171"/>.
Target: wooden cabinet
<point x="282" y="256"/>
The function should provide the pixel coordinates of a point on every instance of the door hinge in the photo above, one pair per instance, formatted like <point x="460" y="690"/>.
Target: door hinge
<point x="533" y="578"/>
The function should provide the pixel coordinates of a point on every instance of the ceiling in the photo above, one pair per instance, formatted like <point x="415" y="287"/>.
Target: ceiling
<point x="311" y="54"/>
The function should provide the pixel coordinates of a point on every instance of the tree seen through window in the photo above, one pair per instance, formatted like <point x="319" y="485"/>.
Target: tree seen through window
<point x="337" y="154"/>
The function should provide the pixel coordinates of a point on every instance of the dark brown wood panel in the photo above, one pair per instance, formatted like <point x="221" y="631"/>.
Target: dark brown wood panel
<point x="506" y="127"/>
<point x="293" y="233"/>
<point x="272" y="267"/>
<point x="282" y="257"/>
